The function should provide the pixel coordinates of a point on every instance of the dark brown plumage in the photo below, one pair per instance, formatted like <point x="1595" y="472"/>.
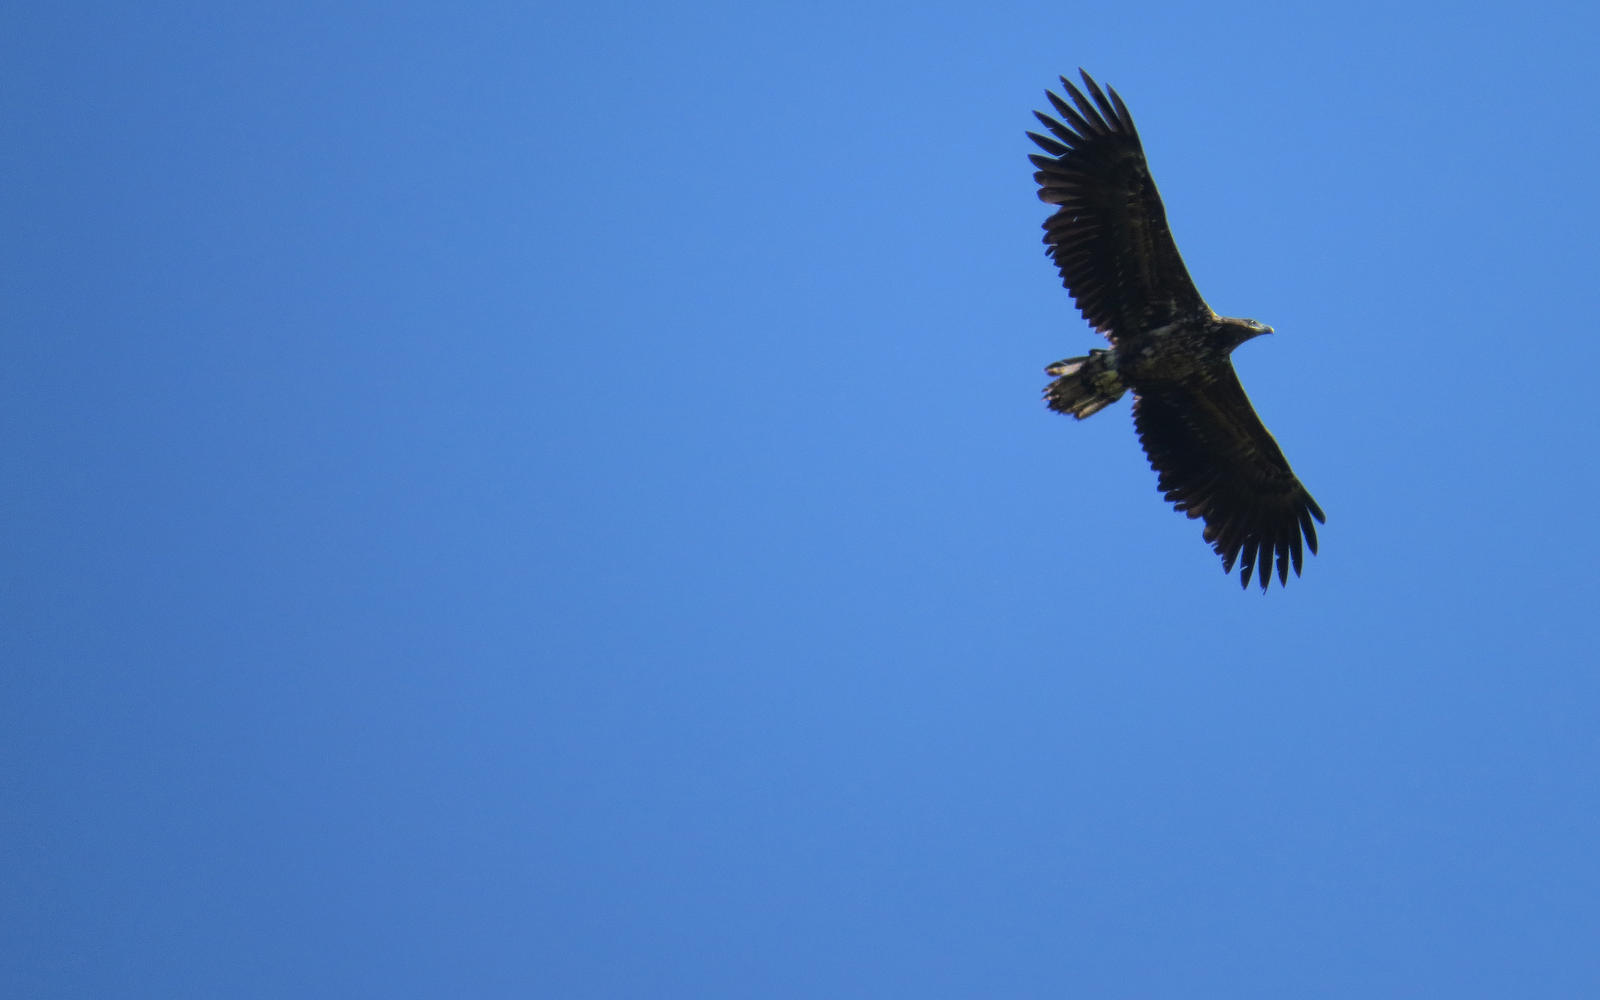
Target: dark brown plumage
<point x="1213" y="457"/>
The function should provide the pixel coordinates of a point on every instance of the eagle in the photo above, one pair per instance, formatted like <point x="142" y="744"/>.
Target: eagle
<point x="1214" y="459"/>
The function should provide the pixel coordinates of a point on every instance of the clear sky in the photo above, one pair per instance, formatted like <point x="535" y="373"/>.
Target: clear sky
<point x="509" y="500"/>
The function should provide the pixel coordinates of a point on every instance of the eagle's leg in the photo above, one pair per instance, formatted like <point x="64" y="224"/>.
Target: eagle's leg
<point x="1086" y="385"/>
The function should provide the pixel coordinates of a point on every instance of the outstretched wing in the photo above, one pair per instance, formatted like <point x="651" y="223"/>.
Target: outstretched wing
<point x="1215" y="460"/>
<point x="1109" y="238"/>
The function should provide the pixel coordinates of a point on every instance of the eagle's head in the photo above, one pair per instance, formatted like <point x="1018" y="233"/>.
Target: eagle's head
<point x="1241" y="330"/>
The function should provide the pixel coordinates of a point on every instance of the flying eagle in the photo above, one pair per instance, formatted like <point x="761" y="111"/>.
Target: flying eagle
<point x="1213" y="457"/>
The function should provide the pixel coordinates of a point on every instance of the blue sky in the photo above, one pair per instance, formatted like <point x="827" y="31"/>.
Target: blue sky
<point x="517" y="500"/>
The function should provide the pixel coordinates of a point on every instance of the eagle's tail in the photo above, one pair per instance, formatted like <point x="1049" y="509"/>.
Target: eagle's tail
<point x="1086" y="386"/>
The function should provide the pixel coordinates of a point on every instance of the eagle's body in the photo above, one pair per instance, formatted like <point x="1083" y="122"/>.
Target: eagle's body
<point x="1214" y="458"/>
